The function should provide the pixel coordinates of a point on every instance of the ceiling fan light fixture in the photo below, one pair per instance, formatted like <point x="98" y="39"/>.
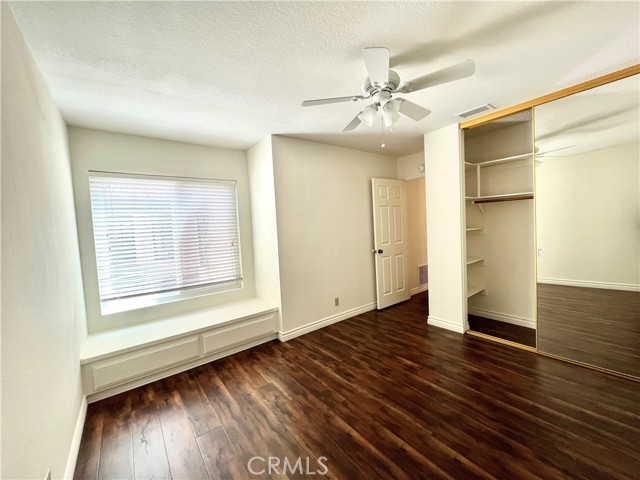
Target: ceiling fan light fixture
<point x="390" y="113"/>
<point x="368" y="115"/>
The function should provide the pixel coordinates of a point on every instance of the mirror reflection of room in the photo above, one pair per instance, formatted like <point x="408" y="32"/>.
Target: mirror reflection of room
<point x="588" y="226"/>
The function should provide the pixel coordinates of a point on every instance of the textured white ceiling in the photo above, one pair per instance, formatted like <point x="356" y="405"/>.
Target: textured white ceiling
<point x="229" y="73"/>
<point x="602" y="117"/>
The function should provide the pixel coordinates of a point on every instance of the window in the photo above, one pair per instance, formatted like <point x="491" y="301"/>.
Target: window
<point x="160" y="239"/>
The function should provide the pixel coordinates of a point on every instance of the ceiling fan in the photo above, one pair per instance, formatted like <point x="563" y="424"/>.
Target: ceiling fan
<point x="540" y="156"/>
<point x="382" y="84"/>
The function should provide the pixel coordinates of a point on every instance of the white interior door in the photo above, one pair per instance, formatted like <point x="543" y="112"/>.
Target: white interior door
<point x="390" y="240"/>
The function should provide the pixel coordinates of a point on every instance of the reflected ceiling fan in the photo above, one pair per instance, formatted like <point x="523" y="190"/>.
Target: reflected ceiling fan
<point x="382" y="84"/>
<point x="540" y="156"/>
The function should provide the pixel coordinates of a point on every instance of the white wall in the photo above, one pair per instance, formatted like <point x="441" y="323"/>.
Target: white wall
<point x="265" y="229"/>
<point x="587" y="209"/>
<point x="417" y="229"/>
<point x="411" y="169"/>
<point x="42" y="303"/>
<point x="411" y="166"/>
<point x="115" y="152"/>
<point x="445" y="228"/>
<point x="325" y="229"/>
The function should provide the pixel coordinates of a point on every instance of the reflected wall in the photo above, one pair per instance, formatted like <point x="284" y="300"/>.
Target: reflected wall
<point x="587" y="190"/>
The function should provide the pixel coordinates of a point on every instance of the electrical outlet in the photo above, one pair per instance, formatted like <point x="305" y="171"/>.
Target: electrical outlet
<point x="336" y="301"/>
<point x="48" y="477"/>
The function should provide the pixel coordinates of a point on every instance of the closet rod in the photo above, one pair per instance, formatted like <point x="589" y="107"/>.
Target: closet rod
<point x="505" y="199"/>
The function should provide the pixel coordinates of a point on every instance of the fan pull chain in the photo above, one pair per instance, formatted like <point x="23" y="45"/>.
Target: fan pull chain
<point x="382" y="131"/>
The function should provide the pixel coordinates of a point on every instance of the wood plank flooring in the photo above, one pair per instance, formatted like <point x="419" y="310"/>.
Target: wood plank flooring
<point x="591" y="325"/>
<point x="378" y="396"/>
<point x="506" y="331"/>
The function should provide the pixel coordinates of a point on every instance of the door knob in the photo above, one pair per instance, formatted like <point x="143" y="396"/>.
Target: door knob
<point x="380" y="250"/>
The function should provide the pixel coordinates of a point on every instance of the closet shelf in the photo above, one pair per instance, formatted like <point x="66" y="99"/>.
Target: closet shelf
<point x="471" y="260"/>
<point x="498" y="161"/>
<point x="473" y="290"/>
<point x="505" y="197"/>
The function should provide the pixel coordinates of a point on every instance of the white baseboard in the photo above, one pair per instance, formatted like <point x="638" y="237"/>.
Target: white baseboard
<point x="590" y="284"/>
<point x="449" y="325"/>
<point x="503" y="317"/>
<point x="324" y="322"/>
<point x="74" y="449"/>
<point x="421" y="288"/>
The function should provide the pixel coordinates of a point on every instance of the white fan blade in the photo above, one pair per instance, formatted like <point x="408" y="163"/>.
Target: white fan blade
<point x="412" y="110"/>
<point x="454" y="72"/>
<point x="325" y="101"/>
<point x="377" y="61"/>
<point x="353" y="124"/>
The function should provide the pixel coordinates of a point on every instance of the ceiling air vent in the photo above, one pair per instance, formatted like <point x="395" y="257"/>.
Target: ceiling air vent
<point x="474" y="111"/>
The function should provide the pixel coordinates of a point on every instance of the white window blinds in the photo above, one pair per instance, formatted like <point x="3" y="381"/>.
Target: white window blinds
<point x="163" y="234"/>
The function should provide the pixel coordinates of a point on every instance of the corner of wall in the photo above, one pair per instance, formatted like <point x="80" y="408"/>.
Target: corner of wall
<point x="43" y="317"/>
<point x="323" y="193"/>
<point x="74" y="448"/>
<point x="410" y="166"/>
<point x="264" y="222"/>
<point x="445" y="228"/>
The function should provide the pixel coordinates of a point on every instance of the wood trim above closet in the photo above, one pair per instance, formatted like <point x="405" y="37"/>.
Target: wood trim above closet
<point x="565" y="92"/>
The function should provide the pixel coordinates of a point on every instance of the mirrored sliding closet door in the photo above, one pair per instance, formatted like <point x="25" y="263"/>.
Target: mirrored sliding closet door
<point x="587" y="200"/>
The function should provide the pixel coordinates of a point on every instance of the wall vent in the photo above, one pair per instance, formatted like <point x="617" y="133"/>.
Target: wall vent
<point x="474" y="111"/>
<point x="423" y="274"/>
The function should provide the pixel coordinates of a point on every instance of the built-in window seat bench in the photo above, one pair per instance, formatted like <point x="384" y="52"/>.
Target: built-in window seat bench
<point x="119" y="360"/>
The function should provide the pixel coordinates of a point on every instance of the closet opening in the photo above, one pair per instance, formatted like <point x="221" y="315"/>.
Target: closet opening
<point x="501" y="287"/>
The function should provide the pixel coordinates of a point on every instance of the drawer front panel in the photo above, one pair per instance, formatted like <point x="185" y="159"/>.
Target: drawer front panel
<point x="144" y="362"/>
<point x="230" y="336"/>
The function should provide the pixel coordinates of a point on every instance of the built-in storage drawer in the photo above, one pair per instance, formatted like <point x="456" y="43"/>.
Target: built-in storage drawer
<point x="120" y="370"/>
<point x="143" y="362"/>
<point x="223" y="338"/>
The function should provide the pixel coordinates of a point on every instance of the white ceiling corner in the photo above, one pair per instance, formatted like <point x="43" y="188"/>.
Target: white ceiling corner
<point x="230" y="73"/>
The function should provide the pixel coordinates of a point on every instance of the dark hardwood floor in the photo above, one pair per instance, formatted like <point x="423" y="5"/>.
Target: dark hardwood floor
<point x="381" y="396"/>
<point x="506" y="331"/>
<point x="591" y="325"/>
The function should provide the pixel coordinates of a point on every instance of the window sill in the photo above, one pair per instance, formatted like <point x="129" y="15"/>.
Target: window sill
<point x="103" y="345"/>
<point x="151" y="300"/>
